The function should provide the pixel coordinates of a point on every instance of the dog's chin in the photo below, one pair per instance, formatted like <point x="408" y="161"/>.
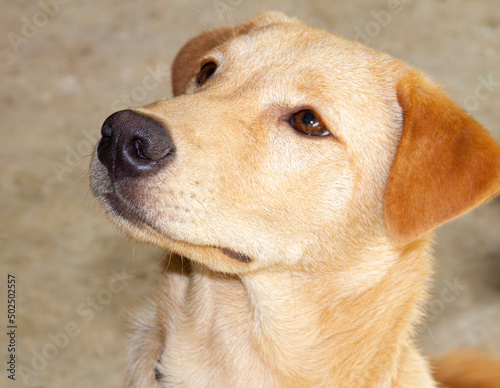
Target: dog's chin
<point x="138" y="226"/>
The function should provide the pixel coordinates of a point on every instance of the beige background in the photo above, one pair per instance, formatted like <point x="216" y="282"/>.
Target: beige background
<point x="65" y="66"/>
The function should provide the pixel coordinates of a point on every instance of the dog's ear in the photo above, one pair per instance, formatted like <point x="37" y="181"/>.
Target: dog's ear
<point x="446" y="163"/>
<point x="186" y="63"/>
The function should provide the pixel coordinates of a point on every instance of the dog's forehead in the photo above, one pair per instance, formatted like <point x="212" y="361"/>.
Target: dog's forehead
<point x="295" y="45"/>
<point x="288" y="58"/>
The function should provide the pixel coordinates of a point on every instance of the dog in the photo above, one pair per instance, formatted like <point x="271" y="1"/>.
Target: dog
<point x="299" y="176"/>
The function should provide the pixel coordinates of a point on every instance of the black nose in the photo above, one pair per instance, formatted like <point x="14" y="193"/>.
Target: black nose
<point x="133" y="145"/>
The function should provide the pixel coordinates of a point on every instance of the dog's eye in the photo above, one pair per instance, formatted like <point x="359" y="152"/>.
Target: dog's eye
<point x="307" y="122"/>
<point x="207" y="70"/>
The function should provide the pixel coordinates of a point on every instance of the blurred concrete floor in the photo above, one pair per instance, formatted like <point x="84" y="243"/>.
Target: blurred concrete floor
<point x="66" y="65"/>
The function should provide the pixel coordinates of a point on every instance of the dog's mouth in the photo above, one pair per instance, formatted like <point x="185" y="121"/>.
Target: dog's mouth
<point x="125" y="210"/>
<point x="235" y="255"/>
<point x="132" y="214"/>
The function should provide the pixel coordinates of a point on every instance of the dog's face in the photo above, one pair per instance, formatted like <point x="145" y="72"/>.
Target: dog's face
<point x="277" y="147"/>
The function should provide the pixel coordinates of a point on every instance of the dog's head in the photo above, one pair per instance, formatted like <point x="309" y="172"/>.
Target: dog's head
<point x="285" y="144"/>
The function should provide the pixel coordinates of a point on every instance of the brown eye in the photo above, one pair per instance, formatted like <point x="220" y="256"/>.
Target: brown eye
<point x="207" y="70"/>
<point x="308" y="123"/>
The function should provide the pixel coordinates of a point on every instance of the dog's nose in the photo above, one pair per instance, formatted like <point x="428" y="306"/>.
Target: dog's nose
<point x="133" y="145"/>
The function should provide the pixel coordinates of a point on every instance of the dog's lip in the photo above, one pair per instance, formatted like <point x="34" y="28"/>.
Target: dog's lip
<point x="124" y="209"/>
<point x="129" y="212"/>
<point x="235" y="255"/>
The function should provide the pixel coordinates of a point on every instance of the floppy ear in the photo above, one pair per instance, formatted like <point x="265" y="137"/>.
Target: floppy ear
<point x="446" y="163"/>
<point x="186" y="63"/>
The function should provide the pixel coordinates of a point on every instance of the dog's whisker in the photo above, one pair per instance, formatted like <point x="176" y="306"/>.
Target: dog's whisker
<point x="231" y="19"/>
<point x="206" y="28"/>
<point x="431" y="333"/>
<point x="148" y="268"/>
<point x="170" y="255"/>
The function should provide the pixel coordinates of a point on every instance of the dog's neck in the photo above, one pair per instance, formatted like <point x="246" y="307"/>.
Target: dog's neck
<point x="303" y="327"/>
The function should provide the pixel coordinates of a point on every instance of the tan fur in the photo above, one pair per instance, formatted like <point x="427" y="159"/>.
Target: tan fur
<point x="337" y="228"/>
<point x="422" y="194"/>
<point x="468" y="368"/>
